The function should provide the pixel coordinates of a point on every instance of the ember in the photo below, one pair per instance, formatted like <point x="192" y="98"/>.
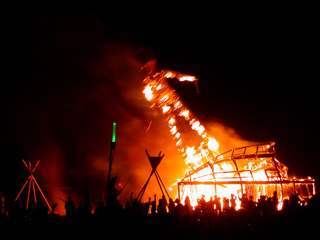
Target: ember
<point x="241" y="172"/>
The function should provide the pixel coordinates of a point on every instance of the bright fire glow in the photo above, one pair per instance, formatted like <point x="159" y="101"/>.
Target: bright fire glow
<point x="163" y="96"/>
<point x="204" y="164"/>
<point x="148" y="92"/>
<point x="213" y="144"/>
<point x="187" y="78"/>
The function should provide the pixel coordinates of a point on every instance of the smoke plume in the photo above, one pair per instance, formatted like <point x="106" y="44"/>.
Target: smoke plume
<point x="75" y="77"/>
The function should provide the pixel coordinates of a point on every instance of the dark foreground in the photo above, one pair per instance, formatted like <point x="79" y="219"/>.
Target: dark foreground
<point x="133" y="221"/>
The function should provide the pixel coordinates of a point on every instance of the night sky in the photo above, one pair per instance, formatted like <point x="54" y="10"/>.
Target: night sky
<point x="69" y="71"/>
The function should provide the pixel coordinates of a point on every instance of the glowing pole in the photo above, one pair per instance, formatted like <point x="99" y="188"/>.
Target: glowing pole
<point x="113" y="133"/>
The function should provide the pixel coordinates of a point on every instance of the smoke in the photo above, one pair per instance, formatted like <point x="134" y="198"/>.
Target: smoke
<point x="80" y="77"/>
<point x="227" y="137"/>
<point x="138" y="127"/>
<point x="50" y="173"/>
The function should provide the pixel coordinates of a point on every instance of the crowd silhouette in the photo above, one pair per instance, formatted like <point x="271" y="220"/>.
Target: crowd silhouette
<point x="168" y="219"/>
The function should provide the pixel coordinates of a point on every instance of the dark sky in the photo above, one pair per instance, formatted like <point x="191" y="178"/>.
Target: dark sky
<point x="61" y="90"/>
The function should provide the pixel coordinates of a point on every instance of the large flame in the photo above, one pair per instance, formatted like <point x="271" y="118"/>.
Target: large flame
<point x="228" y="175"/>
<point x="162" y="96"/>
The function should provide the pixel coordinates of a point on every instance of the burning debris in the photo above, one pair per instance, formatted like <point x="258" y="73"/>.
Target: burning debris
<point x="246" y="171"/>
<point x="162" y="96"/>
<point x="251" y="170"/>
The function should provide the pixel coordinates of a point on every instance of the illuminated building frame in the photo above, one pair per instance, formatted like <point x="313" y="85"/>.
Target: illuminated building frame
<point x="262" y="158"/>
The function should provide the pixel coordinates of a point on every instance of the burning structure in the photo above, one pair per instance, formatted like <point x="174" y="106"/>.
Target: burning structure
<point x="251" y="170"/>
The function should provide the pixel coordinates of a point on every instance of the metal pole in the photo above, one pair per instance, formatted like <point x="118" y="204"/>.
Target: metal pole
<point x="34" y="191"/>
<point x="42" y="194"/>
<point x="28" y="193"/>
<point x="110" y="160"/>
<point x="157" y="175"/>
<point x="112" y="148"/>
<point x="35" y="166"/>
<point x="25" y="164"/>
<point x="21" y="190"/>
<point x="144" y="187"/>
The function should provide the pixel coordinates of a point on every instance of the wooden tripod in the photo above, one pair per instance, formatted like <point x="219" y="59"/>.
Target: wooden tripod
<point x="32" y="181"/>
<point x="154" y="161"/>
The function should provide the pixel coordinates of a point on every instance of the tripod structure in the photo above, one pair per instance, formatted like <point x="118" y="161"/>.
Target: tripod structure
<point x="32" y="181"/>
<point x="154" y="161"/>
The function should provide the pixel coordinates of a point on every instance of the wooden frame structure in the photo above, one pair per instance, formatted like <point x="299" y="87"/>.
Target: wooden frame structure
<point x="154" y="161"/>
<point x="31" y="180"/>
<point x="244" y="164"/>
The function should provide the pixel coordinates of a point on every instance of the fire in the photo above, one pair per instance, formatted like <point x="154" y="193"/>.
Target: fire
<point x="196" y="126"/>
<point x="148" y="92"/>
<point x="166" y="109"/>
<point x="251" y="170"/>
<point x="185" y="114"/>
<point x="213" y="144"/>
<point x="171" y="121"/>
<point x="187" y="78"/>
<point x="162" y="96"/>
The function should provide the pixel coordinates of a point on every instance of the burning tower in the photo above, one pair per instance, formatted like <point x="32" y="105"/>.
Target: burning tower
<point x="252" y="170"/>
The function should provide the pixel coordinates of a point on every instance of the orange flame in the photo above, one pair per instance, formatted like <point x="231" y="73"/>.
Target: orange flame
<point x="162" y="96"/>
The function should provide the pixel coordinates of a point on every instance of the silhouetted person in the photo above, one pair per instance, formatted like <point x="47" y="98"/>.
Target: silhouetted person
<point x="244" y="201"/>
<point x="1" y="204"/>
<point x="154" y="204"/>
<point x="87" y="208"/>
<point x="162" y="207"/>
<point x="233" y="202"/>
<point x="69" y="206"/>
<point x="286" y="206"/>
<point x="187" y="205"/>
<point x="127" y="207"/>
<point x="275" y="201"/>
<point x="53" y="208"/>
<point x="171" y="206"/>
<point x="270" y="207"/>
<point x="251" y="207"/>
<point x="210" y="206"/>
<point x="80" y="211"/>
<point x="294" y="200"/>
<point x="179" y="207"/>
<point x="225" y="204"/>
<point x="262" y="205"/>
<point x="202" y="202"/>
<point x="314" y="203"/>
<point x="100" y="210"/>
<point x="217" y="204"/>
<point x="86" y="203"/>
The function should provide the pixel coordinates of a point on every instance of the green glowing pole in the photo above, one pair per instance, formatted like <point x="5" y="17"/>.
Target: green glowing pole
<point x="112" y="149"/>
<point x="114" y="134"/>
